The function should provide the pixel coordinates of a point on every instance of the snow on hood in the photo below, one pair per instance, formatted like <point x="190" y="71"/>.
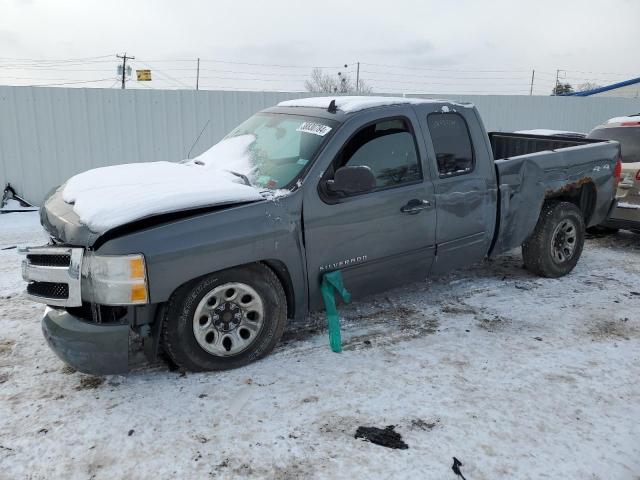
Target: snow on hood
<point x="107" y="197"/>
<point x="354" y="103"/>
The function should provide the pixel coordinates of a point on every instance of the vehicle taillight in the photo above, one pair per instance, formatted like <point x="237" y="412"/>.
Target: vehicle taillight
<point x="617" y="172"/>
<point x="629" y="124"/>
<point x="638" y="175"/>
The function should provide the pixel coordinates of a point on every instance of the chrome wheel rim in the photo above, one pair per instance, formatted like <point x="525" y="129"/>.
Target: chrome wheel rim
<point x="564" y="240"/>
<point x="228" y="319"/>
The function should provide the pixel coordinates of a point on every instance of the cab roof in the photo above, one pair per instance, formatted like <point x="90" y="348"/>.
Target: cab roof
<point x="349" y="104"/>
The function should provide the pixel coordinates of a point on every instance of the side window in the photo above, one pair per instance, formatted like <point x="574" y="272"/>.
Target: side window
<point x="388" y="148"/>
<point x="452" y="143"/>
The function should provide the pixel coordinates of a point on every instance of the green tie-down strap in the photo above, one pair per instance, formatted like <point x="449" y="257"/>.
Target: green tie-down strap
<point x="331" y="284"/>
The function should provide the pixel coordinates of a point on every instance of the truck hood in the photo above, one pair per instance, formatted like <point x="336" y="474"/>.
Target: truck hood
<point x="63" y="224"/>
<point x="109" y="198"/>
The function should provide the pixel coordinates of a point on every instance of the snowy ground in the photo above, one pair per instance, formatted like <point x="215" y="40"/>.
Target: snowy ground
<point x="518" y="377"/>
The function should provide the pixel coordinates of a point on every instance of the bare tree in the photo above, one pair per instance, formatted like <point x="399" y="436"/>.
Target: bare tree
<point x="583" y="87"/>
<point x="321" y="82"/>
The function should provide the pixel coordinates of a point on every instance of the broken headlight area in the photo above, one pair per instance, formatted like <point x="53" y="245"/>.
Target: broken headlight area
<point x="114" y="279"/>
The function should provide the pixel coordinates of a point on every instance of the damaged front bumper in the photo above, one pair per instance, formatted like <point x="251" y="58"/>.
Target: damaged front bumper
<point x="97" y="349"/>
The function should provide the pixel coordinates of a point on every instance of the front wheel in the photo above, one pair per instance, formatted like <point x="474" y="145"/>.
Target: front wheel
<point x="555" y="246"/>
<point x="226" y="319"/>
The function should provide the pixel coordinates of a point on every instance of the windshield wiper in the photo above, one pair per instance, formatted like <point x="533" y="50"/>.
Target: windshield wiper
<point x="244" y="178"/>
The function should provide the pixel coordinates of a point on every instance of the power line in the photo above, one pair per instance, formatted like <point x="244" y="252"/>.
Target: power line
<point x="68" y="83"/>
<point x="54" y="60"/>
<point x="166" y="75"/>
<point x="442" y="69"/>
<point x="274" y="65"/>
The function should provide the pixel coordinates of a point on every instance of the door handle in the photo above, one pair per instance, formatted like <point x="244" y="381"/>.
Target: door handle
<point x="415" y="206"/>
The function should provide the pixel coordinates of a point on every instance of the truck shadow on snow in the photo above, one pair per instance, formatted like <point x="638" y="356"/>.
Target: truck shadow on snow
<point x="417" y="310"/>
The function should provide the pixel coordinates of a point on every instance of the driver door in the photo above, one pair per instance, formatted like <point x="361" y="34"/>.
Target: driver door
<point x="383" y="237"/>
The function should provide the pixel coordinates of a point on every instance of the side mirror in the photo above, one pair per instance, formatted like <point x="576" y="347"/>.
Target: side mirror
<point x="351" y="180"/>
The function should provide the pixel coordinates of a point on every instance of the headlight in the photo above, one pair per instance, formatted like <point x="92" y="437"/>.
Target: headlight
<point x="114" y="280"/>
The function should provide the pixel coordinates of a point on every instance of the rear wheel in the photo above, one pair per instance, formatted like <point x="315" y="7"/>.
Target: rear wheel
<point x="225" y="320"/>
<point x="555" y="245"/>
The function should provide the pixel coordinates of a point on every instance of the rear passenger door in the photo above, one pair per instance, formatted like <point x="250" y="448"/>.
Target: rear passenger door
<point x="464" y="183"/>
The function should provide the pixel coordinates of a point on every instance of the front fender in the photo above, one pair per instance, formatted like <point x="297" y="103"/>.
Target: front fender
<point x="184" y="249"/>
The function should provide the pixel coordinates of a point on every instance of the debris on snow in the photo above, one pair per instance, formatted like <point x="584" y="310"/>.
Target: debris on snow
<point x="385" y="437"/>
<point x="89" y="382"/>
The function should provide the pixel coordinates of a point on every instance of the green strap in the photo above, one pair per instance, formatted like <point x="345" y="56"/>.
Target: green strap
<point x="331" y="284"/>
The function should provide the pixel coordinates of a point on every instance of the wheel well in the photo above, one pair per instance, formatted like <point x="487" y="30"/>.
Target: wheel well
<point x="583" y="196"/>
<point x="282" y="272"/>
<point x="278" y="268"/>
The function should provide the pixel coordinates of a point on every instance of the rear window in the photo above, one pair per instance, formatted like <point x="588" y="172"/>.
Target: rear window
<point x="629" y="138"/>
<point x="452" y="143"/>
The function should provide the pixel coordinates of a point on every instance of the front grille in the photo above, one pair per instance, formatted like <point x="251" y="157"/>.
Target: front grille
<point x="49" y="260"/>
<point x="53" y="274"/>
<point x="49" y="290"/>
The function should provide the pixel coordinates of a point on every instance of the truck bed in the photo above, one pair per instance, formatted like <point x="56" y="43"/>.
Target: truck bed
<point x="530" y="169"/>
<point x="506" y="145"/>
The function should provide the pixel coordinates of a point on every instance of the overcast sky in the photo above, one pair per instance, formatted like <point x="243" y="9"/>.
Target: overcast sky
<point x="455" y="46"/>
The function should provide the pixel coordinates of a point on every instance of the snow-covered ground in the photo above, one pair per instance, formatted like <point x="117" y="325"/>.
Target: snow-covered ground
<point x="518" y="377"/>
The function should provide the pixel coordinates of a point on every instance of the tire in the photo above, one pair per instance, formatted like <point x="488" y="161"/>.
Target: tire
<point x="555" y="246"/>
<point x="600" y="230"/>
<point x="202" y="330"/>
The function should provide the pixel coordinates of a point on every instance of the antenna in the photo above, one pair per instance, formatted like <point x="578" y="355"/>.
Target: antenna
<point x="332" y="107"/>
<point x="197" y="138"/>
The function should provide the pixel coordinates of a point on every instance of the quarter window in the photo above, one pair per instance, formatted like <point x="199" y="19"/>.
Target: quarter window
<point x="388" y="148"/>
<point x="452" y="143"/>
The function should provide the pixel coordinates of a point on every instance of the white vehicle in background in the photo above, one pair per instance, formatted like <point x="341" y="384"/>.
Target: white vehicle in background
<point x="625" y="130"/>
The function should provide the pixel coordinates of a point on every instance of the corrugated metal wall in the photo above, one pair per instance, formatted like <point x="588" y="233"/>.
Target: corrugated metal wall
<point x="50" y="134"/>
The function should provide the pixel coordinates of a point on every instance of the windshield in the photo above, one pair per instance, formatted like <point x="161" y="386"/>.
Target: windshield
<point x="282" y="146"/>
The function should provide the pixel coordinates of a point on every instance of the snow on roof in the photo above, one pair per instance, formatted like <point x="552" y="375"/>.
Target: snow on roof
<point x="629" y="118"/>
<point x="106" y="197"/>
<point x="355" y="103"/>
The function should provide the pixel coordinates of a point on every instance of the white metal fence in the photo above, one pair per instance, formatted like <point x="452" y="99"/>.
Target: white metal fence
<point x="50" y="134"/>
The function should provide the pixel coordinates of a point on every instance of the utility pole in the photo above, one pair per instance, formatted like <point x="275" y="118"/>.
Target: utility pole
<point x="198" y="74"/>
<point x="124" y="66"/>
<point x="533" y="75"/>
<point x="557" y="80"/>
<point x="358" y="79"/>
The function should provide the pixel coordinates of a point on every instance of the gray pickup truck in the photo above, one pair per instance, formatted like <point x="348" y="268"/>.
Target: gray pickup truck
<point x="387" y="190"/>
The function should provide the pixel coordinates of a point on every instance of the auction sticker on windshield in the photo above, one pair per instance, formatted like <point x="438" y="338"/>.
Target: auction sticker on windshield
<point x="315" y="128"/>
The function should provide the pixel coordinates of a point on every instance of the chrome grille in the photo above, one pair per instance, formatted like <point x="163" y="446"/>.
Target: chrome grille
<point x="49" y="260"/>
<point x="53" y="275"/>
<point x="49" y="290"/>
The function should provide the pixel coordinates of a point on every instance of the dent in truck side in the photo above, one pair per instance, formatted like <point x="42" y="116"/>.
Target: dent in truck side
<point x="466" y="202"/>
<point x="186" y="249"/>
<point x="527" y="181"/>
